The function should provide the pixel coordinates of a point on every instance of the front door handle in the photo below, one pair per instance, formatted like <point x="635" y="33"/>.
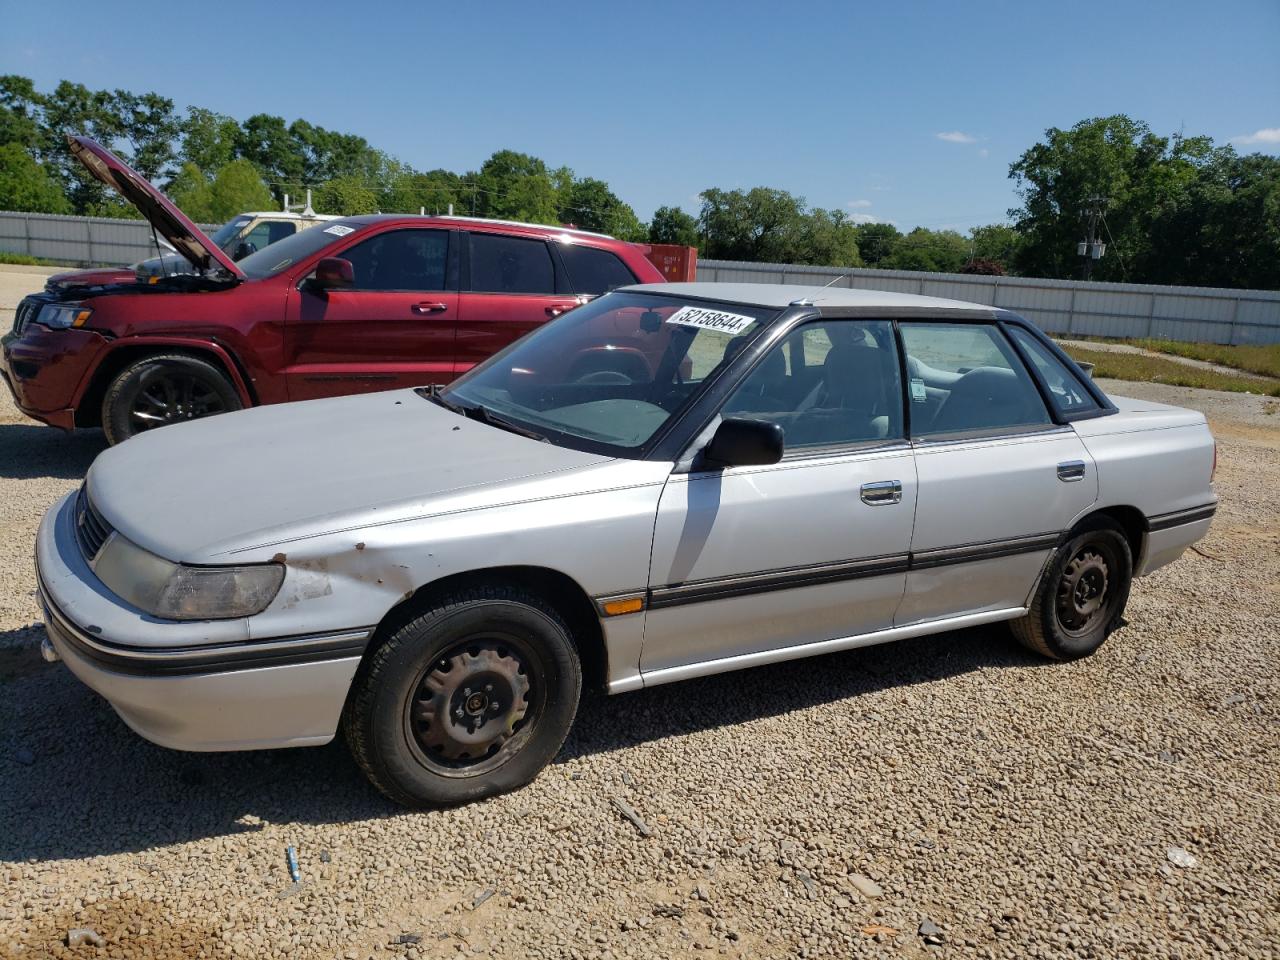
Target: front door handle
<point x="882" y="492"/>
<point x="554" y="312"/>
<point x="1071" y="470"/>
<point x="435" y="307"/>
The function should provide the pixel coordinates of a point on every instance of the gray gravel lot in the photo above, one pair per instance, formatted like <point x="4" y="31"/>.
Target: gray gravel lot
<point x="823" y="808"/>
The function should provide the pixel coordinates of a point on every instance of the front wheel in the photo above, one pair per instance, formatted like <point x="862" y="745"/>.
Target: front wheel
<point x="157" y="391"/>
<point x="1081" y="596"/>
<point x="470" y="699"/>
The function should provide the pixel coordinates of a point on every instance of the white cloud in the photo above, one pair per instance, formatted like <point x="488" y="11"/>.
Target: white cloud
<point x="869" y="218"/>
<point x="858" y="204"/>
<point x="1267" y="135"/>
<point x="957" y="136"/>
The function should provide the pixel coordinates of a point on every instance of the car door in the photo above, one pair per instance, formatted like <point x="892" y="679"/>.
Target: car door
<point x="393" y="328"/>
<point x="755" y="560"/>
<point x="511" y="285"/>
<point x="999" y="480"/>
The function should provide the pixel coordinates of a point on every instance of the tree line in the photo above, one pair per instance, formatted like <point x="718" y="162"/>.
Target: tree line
<point x="1178" y="209"/>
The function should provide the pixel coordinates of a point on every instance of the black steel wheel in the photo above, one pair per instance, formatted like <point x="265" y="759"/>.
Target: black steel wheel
<point x="1082" y="594"/>
<point x="158" y="391"/>
<point x="471" y="698"/>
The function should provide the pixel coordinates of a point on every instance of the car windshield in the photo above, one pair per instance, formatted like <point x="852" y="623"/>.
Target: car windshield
<point x="283" y="254"/>
<point x="226" y="233"/>
<point x="610" y="375"/>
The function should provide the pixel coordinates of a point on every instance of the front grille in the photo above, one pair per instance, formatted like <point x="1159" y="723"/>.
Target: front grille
<point x="27" y="310"/>
<point x="92" y="529"/>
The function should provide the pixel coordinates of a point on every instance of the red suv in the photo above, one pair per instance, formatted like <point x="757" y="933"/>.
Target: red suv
<point x="366" y="303"/>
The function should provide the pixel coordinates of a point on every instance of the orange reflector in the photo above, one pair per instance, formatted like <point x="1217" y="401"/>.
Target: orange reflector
<point x="615" y="608"/>
<point x="153" y="280"/>
<point x="81" y="317"/>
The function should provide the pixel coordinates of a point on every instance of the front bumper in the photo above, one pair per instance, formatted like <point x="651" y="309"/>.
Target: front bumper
<point x="189" y="686"/>
<point x="44" y="370"/>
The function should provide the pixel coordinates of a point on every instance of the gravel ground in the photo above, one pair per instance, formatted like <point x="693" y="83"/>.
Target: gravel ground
<point x="952" y="786"/>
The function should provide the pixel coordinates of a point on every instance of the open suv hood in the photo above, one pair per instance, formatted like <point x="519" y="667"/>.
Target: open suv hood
<point x="170" y="222"/>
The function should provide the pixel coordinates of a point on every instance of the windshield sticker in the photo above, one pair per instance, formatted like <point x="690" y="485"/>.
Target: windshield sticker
<point x="338" y="230"/>
<point x="730" y="323"/>
<point x="918" y="392"/>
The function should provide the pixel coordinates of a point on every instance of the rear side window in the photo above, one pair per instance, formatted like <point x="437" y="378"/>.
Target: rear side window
<point x="510" y="265"/>
<point x="966" y="377"/>
<point x="401" y="260"/>
<point x="1066" y="392"/>
<point x="594" y="271"/>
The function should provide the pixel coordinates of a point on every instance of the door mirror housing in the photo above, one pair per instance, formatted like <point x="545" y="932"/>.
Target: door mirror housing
<point x="334" y="273"/>
<point x="740" y="442"/>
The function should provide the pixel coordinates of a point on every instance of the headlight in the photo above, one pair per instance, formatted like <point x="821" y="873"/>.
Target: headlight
<point x="174" y="591"/>
<point x="60" y="316"/>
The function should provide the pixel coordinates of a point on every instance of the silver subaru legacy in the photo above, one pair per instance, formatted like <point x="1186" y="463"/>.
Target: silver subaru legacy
<point x="672" y="480"/>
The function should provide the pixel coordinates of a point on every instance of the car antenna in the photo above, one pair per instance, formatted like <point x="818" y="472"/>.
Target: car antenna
<point x="807" y="302"/>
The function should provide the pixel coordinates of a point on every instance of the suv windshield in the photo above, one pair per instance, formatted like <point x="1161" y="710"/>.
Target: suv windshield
<point x="610" y="375"/>
<point x="279" y="256"/>
<point x="229" y="231"/>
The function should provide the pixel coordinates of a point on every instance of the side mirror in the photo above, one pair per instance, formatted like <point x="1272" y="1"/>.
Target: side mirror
<point x="243" y="249"/>
<point x="334" y="273"/>
<point x="739" y="442"/>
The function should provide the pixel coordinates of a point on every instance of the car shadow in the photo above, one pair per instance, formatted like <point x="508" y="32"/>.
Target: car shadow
<point x="76" y="782"/>
<point x="29" y="451"/>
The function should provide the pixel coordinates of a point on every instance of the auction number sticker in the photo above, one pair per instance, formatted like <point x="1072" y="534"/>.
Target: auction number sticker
<point x="730" y="323"/>
<point x="338" y="230"/>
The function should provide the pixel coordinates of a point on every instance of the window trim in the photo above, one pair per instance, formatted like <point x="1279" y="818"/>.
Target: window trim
<point x="1104" y="405"/>
<point x="983" y="433"/>
<point x="561" y="264"/>
<point x="449" y="267"/>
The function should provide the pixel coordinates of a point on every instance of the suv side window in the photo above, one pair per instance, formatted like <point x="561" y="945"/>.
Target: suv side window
<point x="401" y="260"/>
<point x="511" y="265"/>
<point x="1066" y="392"/>
<point x="965" y="376"/>
<point x="827" y="383"/>
<point x="594" y="271"/>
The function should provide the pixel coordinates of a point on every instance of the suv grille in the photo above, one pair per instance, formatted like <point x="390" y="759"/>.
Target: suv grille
<point x="27" y="310"/>
<point x="91" y="529"/>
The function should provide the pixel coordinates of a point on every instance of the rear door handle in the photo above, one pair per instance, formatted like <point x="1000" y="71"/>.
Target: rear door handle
<point x="430" y="307"/>
<point x="1070" y="471"/>
<point x="556" y="311"/>
<point x="882" y="492"/>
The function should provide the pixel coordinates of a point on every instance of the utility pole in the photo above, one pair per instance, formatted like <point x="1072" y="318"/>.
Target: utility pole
<point x="1090" y="248"/>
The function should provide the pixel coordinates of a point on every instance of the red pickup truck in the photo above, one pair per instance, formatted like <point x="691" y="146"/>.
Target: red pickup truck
<point x="361" y="304"/>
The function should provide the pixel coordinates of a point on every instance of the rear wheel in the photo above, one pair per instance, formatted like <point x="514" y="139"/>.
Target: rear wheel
<point x="1082" y="595"/>
<point x="161" y="390"/>
<point x="471" y="699"/>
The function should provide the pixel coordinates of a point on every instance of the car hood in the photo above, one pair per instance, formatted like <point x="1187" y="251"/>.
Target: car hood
<point x="170" y="222"/>
<point x="199" y="490"/>
<point x="97" y="277"/>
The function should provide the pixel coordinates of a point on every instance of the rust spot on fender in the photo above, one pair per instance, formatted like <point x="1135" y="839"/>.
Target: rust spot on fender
<point x="278" y="558"/>
<point x="360" y="545"/>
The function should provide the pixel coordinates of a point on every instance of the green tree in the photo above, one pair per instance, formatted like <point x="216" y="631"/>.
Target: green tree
<point x="149" y="126"/>
<point x="760" y="224"/>
<point x="996" y="242"/>
<point x="25" y="184"/>
<point x="237" y="188"/>
<point x="265" y="141"/>
<point x="876" y="242"/>
<point x="515" y="186"/>
<point x="589" y="204"/>
<point x="405" y="190"/>
<point x="829" y="238"/>
<point x="346" y="196"/>
<point x="208" y="139"/>
<point x="191" y="192"/>
<point x="20" y="112"/>
<point x="73" y="108"/>
<point x="936" y="251"/>
<point x="673" y="225"/>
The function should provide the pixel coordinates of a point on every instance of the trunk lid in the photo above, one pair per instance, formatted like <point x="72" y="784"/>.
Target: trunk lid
<point x="170" y="222"/>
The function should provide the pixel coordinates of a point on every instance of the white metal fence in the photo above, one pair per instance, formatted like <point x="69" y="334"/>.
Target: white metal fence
<point x="1063" y="307"/>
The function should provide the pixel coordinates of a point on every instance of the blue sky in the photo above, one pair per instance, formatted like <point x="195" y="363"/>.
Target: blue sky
<point x="909" y="111"/>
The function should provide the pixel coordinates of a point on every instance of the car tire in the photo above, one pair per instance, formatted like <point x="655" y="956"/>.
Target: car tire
<point x="427" y="737"/>
<point x="164" y="389"/>
<point x="1082" y="594"/>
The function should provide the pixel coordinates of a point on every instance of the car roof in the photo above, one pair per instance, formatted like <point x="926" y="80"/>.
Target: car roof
<point x="287" y="215"/>
<point x="780" y="295"/>
<point x="481" y="221"/>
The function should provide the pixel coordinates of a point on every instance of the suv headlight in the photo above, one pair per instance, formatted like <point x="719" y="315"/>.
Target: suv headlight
<point x="60" y="316"/>
<point x="175" y="591"/>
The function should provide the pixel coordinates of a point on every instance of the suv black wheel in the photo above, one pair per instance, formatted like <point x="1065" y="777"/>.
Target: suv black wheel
<point x="470" y="699"/>
<point x="160" y="390"/>
<point x="1082" y="595"/>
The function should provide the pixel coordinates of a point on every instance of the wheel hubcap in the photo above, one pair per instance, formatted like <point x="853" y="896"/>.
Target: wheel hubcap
<point x="173" y="398"/>
<point x="1082" y="592"/>
<point x="469" y="703"/>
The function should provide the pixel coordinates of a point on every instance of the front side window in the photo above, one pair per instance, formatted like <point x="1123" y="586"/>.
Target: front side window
<point x="1066" y="392"/>
<point x="612" y="373"/>
<point x="292" y="250"/>
<point x="966" y="377"/>
<point x="510" y="265"/>
<point x="263" y="235"/>
<point x="401" y="260"/>
<point x="594" y="271"/>
<point x="827" y="383"/>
